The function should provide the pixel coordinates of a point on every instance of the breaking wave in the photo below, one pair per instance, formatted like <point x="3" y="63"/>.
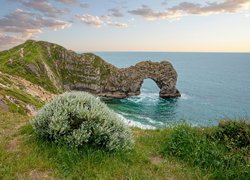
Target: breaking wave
<point x="133" y="123"/>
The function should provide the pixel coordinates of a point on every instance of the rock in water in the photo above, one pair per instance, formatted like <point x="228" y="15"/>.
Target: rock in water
<point x="127" y="81"/>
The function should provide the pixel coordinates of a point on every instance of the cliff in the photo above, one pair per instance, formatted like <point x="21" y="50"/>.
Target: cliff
<point x="38" y="70"/>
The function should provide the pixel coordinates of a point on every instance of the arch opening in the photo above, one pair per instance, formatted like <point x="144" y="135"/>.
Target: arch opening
<point x="149" y="85"/>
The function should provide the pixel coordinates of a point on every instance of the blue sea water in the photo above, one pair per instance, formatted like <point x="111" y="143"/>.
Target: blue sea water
<point x="213" y="86"/>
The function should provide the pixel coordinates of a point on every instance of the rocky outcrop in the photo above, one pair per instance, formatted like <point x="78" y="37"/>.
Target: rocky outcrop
<point x="57" y="69"/>
<point x="127" y="82"/>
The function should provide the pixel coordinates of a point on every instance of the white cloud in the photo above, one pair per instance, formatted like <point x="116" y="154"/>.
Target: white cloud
<point x="91" y="20"/>
<point x="117" y="24"/>
<point x="8" y="41"/>
<point x="185" y="8"/>
<point x="21" y="25"/>
<point x="44" y="7"/>
<point x="99" y="21"/>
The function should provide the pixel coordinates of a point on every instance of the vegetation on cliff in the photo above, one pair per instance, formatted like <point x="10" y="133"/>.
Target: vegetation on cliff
<point x="222" y="150"/>
<point x="29" y="60"/>
<point x="33" y="72"/>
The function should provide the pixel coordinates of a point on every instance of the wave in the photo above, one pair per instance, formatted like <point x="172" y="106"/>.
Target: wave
<point x="133" y="123"/>
<point x="146" y="97"/>
<point x="151" y="121"/>
<point x="152" y="97"/>
<point x="185" y="96"/>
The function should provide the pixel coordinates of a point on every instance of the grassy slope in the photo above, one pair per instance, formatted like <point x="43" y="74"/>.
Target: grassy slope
<point x="22" y="155"/>
<point x="28" y="60"/>
<point x="22" y="98"/>
<point x="13" y="63"/>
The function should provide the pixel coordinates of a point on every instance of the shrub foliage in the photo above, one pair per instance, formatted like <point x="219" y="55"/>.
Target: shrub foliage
<point x="234" y="134"/>
<point x="198" y="149"/>
<point x="78" y="118"/>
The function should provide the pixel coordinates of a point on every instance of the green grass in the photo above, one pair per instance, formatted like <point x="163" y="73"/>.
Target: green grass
<point x="31" y="154"/>
<point x="12" y="63"/>
<point x="203" y="149"/>
<point x="23" y="155"/>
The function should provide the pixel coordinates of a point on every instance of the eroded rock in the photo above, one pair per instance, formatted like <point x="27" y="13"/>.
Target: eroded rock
<point x="128" y="81"/>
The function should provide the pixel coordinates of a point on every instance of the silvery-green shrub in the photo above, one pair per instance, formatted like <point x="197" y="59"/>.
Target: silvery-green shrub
<point x="78" y="118"/>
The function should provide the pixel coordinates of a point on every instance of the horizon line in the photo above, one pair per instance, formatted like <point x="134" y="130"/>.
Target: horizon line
<point x="242" y="52"/>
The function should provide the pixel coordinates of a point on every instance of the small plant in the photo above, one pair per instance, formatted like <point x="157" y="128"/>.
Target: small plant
<point x="78" y="118"/>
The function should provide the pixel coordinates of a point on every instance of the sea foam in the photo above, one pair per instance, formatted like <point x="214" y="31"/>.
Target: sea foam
<point x="133" y="123"/>
<point x="185" y="96"/>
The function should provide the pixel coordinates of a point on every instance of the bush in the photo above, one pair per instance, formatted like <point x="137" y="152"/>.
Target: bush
<point x="234" y="134"/>
<point x="194" y="147"/>
<point x="78" y="118"/>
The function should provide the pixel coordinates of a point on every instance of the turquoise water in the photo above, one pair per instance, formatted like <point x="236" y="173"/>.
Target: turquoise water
<point x="213" y="86"/>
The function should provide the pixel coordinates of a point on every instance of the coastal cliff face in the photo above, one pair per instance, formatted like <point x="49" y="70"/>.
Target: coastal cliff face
<point x="40" y="70"/>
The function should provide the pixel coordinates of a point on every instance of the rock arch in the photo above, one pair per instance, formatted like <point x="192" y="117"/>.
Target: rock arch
<point x="127" y="82"/>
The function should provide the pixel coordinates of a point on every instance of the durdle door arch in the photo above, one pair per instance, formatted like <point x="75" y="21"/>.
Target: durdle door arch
<point x="127" y="82"/>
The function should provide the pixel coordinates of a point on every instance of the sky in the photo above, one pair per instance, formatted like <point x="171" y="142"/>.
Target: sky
<point x="129" y="25"/>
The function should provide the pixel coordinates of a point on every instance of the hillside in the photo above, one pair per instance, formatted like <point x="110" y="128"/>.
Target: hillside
<point x="47" y="64"/>
<point x="33" y="72"/>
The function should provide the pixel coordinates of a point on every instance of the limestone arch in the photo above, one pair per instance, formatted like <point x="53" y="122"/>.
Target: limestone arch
<point x="162" y="73"/>
<point x="127" y="82"/>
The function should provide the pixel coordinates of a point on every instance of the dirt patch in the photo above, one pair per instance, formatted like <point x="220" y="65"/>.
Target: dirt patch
<point x="156" y="160"/>
<point x="30" y="88"/>
<point x="34" y="90"/>
<point x="36" y="175"/>
<point x="14" y="145"/>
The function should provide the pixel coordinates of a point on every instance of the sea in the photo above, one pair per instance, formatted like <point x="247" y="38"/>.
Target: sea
<point x="213" y="86"/>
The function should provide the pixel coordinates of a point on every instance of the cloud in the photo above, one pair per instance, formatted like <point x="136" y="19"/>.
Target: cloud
<point x="117" y="24"/>
<point x="99" y="21"/>
<point x="115" y="12"/>
<point x="185" y="8"/>
<point x="8" y="41"/>
<point x="43" y="6"/>
<point x="91" y="20"/>
<point x="149" y="14"/>
<point x="20" y="25"/>
<point x="228" y="6"/>
<point x="22" y="21"/>
<point x="68" y="1"/>
<point x="84" y="5"/>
